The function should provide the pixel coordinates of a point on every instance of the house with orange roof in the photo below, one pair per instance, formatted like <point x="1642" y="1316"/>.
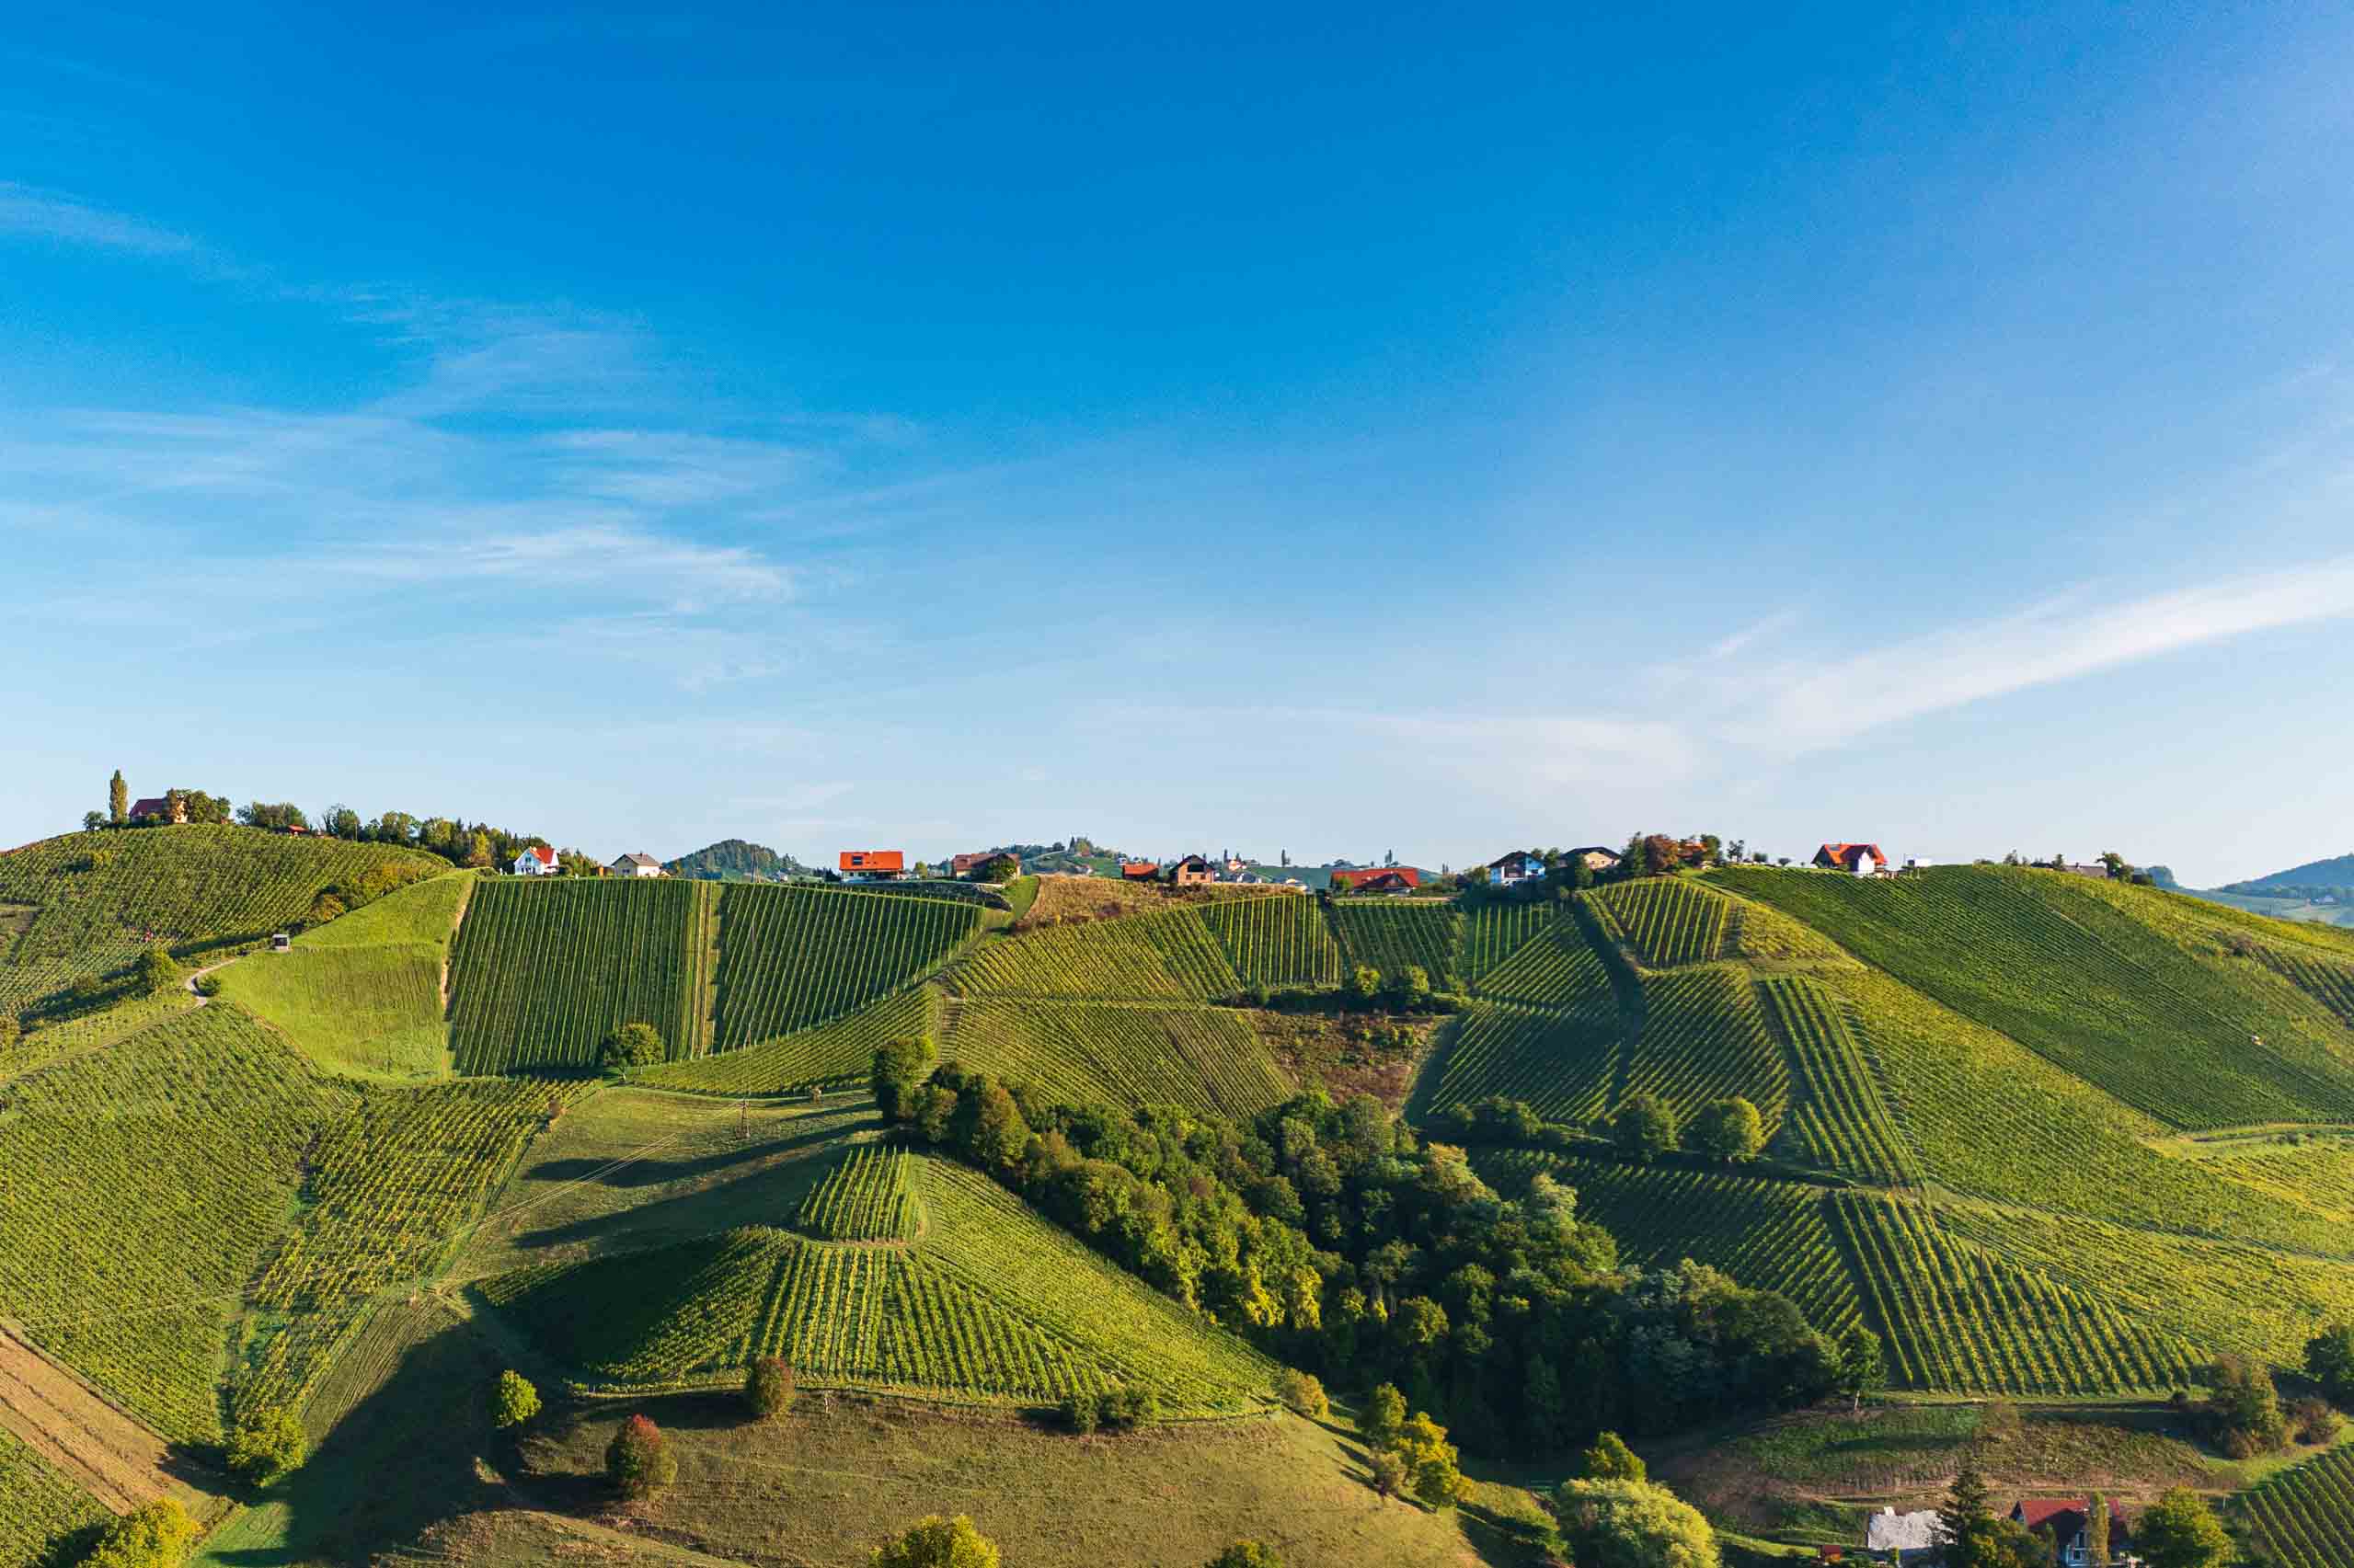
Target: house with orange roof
<point x="874" y="865"/>
<point x="1856" y="860"/>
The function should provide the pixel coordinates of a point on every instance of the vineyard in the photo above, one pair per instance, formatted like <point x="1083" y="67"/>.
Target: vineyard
<point x="39" y="1507"/>
<point x="1281" y="940"/>
<point x="1392" y="934"/>
<point x="1769" y="1235"/>
<point x="1205" y="1058"/>
<point x="543" y="971"/>
<point x="1954" y="1317"/>
<point x="1557" y="967"/>
<point x="865" y="1198"/>
<point x="168" y="1164"/>
<point x="793" y="957"/>
<point x="1840" y="1121"/>
<point x="2122" y="1007"/>
<point x="994" y="1303"/>
<point x="99" y="899"/>
<point x="1703" y="1038"/>
<point x="831" y="1055"/>
<point x="1668" y="919"/>
<point x="1168" y="955"/>
<point x="2305" y="1517"/>
<point x="1562" y="1064"/>
<point x="1494" y="931"/>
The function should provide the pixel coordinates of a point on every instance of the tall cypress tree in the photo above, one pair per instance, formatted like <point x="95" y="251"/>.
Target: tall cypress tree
<point x="118" y="799"/>
<point x="2096" y="1530"/>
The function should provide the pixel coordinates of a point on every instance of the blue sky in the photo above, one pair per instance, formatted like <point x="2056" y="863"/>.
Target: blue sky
<point x="1338" y="431"/>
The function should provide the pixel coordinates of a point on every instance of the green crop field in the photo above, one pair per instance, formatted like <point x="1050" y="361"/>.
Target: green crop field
<point x="793" y="957"/>
<point x="2305" y="1516"/>
<point x="97" y="899"/>
<point x="1392" y="934"/>
<point x="830" y="1055"/>
<point x="1957" y="1317"/>
<point x="363" y="994"/>
<point x="167" y="1163"/>
<point x="543" y="971"/>
<point x="1494" y="931"/>
<point x="994" y="1303"/>
<point x="1169" y="954"/>
<point x="1704" y="1039"/>
<point x="865" y="1198"/>
<point x="2085" y="985"/>
<point x="1840" y="1119"/>
<point x="1562" y="1063"/>
<point x="1281" y="940"/>
<point x="40" y="1511"/>
<point x="1669" y="919"/>
<point x="1769" y="1235"/>
<point x="1207" y="1059"/>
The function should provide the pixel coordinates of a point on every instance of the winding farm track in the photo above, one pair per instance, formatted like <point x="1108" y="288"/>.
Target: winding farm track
<point x="112" y="1457"/>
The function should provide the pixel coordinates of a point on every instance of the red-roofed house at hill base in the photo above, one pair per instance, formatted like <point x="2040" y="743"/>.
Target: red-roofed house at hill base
<point x="874" y="865"/>
<point x="2066" y="1517"/>
<point x="1858" y="860"/>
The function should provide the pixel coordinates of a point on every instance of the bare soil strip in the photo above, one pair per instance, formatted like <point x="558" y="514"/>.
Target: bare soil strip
<point x="100" y="1448"/>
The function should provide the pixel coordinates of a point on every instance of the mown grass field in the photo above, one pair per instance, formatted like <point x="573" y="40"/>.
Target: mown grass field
<point x="99" y="899"/>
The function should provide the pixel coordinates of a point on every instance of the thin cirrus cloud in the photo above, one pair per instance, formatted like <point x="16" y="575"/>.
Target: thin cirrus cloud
<point x="42" y="214"/>
<point x="2056" y="641"/>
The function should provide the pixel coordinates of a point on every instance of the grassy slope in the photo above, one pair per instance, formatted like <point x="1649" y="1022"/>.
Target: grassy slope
<point x="362" y="995"/>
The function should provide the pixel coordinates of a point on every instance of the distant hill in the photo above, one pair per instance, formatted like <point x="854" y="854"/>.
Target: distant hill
<point x="733" y="860"/>
<point x="2334" y="875"/>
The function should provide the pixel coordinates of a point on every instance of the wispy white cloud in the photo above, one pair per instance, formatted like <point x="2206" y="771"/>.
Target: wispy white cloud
<point x="43" y="214"/>
<point x="1797" y="708"/>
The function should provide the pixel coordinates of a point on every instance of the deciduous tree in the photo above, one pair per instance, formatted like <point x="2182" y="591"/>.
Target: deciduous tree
<point x="2179" y="1531"/>
<point x="1729" y="1129"/>
<point x="2329" y="1361"/>
<point x="768" y="1388"/>
<point x="118" y="799"/>
<point x="265" y="1444"/>
<point x="1862" y="1366"/>
<point x="633" y="1045"/>
<point x="1632" y="1524"/>
<point x="1248" y="1554"/>
<point x="1611" y="1459"/>
<point x="936" y="1542"/>
<point x="1644" y="1126"/>
<point x="155" y="1535"/>
<point x="638" y="1460"/>
<point x="514" y="1400"/>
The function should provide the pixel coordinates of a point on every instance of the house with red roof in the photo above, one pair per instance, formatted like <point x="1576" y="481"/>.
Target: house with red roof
<point x="1378" y="879"/>
<point x="536" y="860"/>
<point x="2065" y="1519"/>
<point x="874" y="865"/>
<point x="1139" y="870"/>
<point x="1856" y="860"/>
<point x="168" y="809"/>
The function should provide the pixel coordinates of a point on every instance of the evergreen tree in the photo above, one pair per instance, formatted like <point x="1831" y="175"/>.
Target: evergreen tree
<point x="1966" y="1518"/>
<point x="2096" y="1530"/>
<point x="118" y="799"/>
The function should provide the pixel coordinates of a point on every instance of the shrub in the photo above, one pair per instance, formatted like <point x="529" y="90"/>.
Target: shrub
<point x="2313" y="1420"/>
<point x="632" y="1044"/>
<point x="1389" y="1472"/>
<point x="1128" y="1407"/>
<point x="1246" y="1554"/>
<point x="265" y="1444"/>
<point x="159" y="972"/>
<point x="639" y="1459"/>
<point x="1383" y="1413"/>
<point x="208" y="985"/>
<point x="768" y="1388"/>
<point x="1304" y="1394"/>
<point x="936" y="1542"/>
<point x="514" y="1400"/>
<point x="1611" y="1459"/>
<point x="155" y="1535"/>
<point x="1082" y="1412"/>
<point x="2244" y="1409"/>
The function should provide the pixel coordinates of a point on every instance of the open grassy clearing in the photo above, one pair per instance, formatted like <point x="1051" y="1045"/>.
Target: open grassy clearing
<point x="992" y="1302"/>
<point x="1281" y="940"/>
<point x="629" y="1168"/>
<point x="834" y="1055"/>
<point x="793" y="957"/>
<point x="2094" y="990"/>
<point x="1169" y="954"/>
<point x="826" y="1483"/>
<point x="1205" y="1058"/>
<point x="99" y="899"/>
<point x="545" y="969"/>
<point x="1393" y="934"/>
<point x="168" y="1164"/>
<point x="1704" y="1039"/>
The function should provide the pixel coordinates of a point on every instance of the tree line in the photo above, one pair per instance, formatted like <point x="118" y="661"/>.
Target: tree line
<point x="454" y="839"/>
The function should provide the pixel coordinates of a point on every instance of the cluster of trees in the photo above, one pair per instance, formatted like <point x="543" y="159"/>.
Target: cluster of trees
<point x="1404" y="990"/>
<point x="452" y="838"/>
<point x="1644" y="1126"/>
<point x="2243" y="1413"/>
<point x="1340" y="1241"/>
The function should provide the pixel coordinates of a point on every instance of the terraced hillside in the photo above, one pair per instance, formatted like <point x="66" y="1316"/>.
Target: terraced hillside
<point x="86" y="905"/>
<point x="990" y="1303"/>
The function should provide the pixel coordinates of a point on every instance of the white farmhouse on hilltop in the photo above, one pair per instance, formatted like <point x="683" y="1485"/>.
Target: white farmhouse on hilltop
<point x="537" y="860"/>
<point x="636" y="864"/>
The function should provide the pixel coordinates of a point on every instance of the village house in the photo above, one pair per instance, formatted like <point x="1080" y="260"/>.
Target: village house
<point x="536" y="860"/>
<point x="1378" y="879"/>
<point x="1856" y="860"/>
<point x="966" y="864"/>
<point x="1193" y="871"/>
<point x="1139" y="870"/>
<point x="1597" y="858"/>
<point x="170" y="808"/>
<point x="1520" y="865"/>
<point x="636" y="864"/>
<point x="874" y="865"/>
<point x="2066" y="1518"/>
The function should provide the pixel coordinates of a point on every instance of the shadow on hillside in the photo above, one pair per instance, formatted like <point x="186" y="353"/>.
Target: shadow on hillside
<point x="403" y="1460"/>
<point x="1499" y="1539"/>
<point x="639" y="1173"/>
<point x="767" y="1196"/>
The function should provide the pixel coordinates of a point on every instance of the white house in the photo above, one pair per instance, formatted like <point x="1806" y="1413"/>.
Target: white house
<point x="636" y="864"/>
<point x="538" y="859"/>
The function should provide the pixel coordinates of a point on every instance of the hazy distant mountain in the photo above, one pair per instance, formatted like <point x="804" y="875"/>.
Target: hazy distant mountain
<point x="732" y="858"/>
<point x="2337" y="872"/>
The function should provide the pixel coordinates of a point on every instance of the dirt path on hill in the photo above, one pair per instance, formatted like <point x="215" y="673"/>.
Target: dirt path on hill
<point x="196" y="975"/>
<point x="112" y="1457"/>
